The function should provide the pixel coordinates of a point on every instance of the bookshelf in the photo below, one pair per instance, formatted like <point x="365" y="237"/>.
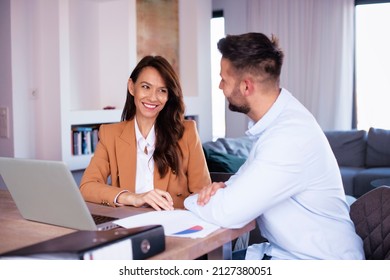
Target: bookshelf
<point x="79" y="121"/>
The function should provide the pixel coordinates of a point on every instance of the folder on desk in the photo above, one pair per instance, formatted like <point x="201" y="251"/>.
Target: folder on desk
<point x="116" y="244"/>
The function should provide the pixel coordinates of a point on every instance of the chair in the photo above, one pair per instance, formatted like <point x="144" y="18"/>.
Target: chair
<point x="220" y="176"/>
<point x="371" y="216"/>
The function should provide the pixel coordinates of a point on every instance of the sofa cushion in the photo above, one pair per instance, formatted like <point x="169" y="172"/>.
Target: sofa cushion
<point x="239" y="146"/>
<point x="378" y="147"/>
<point x="362" y="180"/>
<point x="347" y="175"/>
<point x="222" y="162"/>
<point x="349" y="146"/>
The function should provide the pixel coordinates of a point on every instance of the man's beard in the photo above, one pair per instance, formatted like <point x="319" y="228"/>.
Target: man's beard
<point x="243" y="108"/>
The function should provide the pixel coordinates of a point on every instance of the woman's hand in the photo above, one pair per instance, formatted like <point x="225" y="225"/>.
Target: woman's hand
<point x="207" y="192"/>
<point x="157" y="199"/>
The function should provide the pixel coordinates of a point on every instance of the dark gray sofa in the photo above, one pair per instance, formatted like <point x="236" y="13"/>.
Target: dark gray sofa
<point x="362" y="156"/>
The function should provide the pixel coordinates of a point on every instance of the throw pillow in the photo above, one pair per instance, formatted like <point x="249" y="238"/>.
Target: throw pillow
<point x="349" y="146"/>
<point x="222" y="162"/>
<point x="378" y="147"/>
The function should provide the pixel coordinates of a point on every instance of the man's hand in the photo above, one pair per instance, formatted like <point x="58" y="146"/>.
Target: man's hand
<point x="207" y="192"/>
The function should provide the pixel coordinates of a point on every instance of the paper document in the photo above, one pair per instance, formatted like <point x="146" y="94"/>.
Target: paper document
<point x="177" y="223"/>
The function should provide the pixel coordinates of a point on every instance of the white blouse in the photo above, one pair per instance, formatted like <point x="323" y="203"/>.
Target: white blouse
<point x="145" y="162"/>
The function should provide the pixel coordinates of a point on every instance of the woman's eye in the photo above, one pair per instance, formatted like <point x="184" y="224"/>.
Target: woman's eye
<point x="145" y="86"/>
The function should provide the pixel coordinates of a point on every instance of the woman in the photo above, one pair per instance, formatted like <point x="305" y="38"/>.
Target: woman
<point x="153" y="156"/>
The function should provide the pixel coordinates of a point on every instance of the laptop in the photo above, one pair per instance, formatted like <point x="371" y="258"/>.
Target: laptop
<point x="45" y="191"/>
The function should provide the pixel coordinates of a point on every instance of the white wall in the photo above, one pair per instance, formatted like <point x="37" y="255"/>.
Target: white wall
<point x="25" y="73"/>
<point x="102" y="52"/>
<point x="195" y="61"/>
<point x="236" y="123"/>
<point x="6" y="144"/>
<point x="30" y="63"/>
<point x="37" y="55"/>
<point x="46" y="74"/>
<point x="114" y="49"/>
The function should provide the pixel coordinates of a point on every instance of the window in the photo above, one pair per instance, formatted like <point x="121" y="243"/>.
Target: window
<point x="373" y="65"/>
<point x="217" y="98"/>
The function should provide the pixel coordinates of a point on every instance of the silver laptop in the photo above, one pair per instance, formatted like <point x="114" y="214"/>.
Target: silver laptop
<point x="45" y="191"/>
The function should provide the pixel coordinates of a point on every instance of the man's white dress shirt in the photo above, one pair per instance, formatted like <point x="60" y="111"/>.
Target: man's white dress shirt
<point x="292" y="185"/>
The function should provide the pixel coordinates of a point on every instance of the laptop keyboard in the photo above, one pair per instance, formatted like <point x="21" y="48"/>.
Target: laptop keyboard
<point x="99" y="219"/>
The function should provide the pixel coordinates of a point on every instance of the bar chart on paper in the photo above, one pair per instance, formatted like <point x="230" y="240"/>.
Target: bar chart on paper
<point x="177" y="223"/>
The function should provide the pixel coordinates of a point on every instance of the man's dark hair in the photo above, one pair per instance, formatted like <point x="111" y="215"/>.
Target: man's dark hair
<point x="254" y="53"/>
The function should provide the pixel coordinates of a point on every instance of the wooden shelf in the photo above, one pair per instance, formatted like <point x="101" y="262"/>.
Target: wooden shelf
<point x="94" y="116"/>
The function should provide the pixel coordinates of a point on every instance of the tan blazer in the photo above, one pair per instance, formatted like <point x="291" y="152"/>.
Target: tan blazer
<point x="116" y="156"/>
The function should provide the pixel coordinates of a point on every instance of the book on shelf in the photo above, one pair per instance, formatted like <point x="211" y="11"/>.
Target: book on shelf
<point x="95" y="138"/>
<point x="76" y="141"/>
<point x="115" y="244"/>
<point x="86" y="141"/>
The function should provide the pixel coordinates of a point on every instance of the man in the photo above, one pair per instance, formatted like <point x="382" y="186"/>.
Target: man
<point x="290" y="182"/>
